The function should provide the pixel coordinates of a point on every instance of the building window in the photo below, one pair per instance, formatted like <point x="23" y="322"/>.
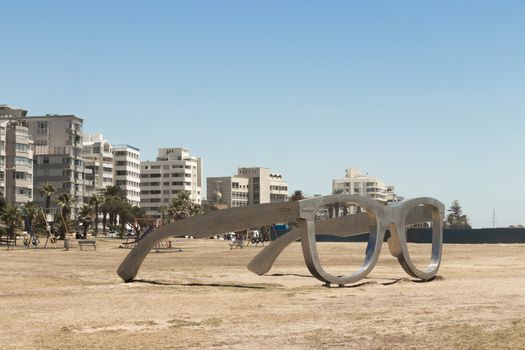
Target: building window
<point x="22" y="147"/>
<point x="41" y="127"/>
<point x="23" y="161"/>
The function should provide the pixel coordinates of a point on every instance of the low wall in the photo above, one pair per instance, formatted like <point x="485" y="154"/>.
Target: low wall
<point x="483" y="235"/>
<point x="474" y="236"/>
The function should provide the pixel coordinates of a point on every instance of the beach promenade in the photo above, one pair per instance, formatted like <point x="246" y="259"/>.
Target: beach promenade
<point x="204" y="297"/>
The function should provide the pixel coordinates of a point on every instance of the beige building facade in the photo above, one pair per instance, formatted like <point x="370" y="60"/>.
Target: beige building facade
<point x="161" y="180"/>
<point x="58" y="157"/>
<point x="251" y="185"/>
<point x="16" y="156"/>
<point x="232" y="191"/>
<point x="364" y="185"/>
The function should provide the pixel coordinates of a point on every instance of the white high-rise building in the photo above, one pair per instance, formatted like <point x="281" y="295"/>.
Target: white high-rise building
<point x="364" y="185"/>
<point x="172" y="172"/>
<point x="252" y="185"/>
<point x="16" y="156"/>
<point x="98" y="157"/>
<point x="127" y="171"/>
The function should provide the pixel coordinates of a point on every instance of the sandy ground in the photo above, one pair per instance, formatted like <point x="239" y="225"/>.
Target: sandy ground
<point x="204" y="297"/>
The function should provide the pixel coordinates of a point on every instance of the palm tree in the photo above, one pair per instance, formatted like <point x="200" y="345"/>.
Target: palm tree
<point x="85" y="218"/>
<point x="112" y="198"/>
<point x="297" y="196"/>
<point x="10" y="216"/>
<point x="3" y="202"/>
<point x="47" y="191"/>
<point x="129" y="215"/>
<point x="29" y="213"/>
<point x="96" y="201"/>
<point x="64" y="202"/>
<point x="114" y="192"/>
<point x="113" y="207"/>
<point x="182" y="207"/>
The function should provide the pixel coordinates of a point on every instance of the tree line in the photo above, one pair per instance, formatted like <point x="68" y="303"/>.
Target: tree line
<point x="117" y="213"/>
<point x="110" y="206"/>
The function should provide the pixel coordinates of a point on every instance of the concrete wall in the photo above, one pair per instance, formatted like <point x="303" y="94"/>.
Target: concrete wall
<point x="484" y="235"/>
<point x="474" y="236"/>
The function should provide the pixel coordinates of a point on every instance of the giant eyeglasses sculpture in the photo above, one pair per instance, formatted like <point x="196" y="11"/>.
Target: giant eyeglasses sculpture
<point x="354" y="215"/>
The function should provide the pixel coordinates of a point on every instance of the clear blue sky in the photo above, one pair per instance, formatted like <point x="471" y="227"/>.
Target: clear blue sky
<point x="427" y="95"/>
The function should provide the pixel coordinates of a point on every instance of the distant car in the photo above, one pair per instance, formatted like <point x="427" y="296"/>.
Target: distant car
<point x="113" y="234"/>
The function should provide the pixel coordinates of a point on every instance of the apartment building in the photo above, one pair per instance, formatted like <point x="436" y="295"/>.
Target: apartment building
<point x="58" y="156"/>
<point x="126" y="165"/>
<point x="173" y="171"/>
<point x="16" y="156"/>
<point x="364" y="185"/>
<point x="98" y="157"/>
<point x="253" y="185"/>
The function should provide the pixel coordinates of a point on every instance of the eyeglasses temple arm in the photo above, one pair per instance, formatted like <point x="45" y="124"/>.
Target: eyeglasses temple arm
<point x="207" y="225"/>
<point x="263" y="261"/>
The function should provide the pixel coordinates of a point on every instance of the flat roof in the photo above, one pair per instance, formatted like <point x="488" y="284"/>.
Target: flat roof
<point x="121" y="145"/>
<point x="53" y="116"/>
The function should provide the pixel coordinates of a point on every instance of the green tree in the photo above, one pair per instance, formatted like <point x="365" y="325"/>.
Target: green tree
<point x="181" y="207"/>
<point x="64" y="202"/>
<point x="114" y="192"/>
<point x="456" y="219"/>
<point x="3" y="201"/>
<point x="30" y="212"/>
<point x="113" y="200"/>
<point x="163" y="211"/>
<point x="85" y="219"/>
<point x="11" y="218"/>
<point x="40" y="225"/>
<point x="96" y="201"/>
<point x="113" y="207"/>
<point x="207" y="207"/>
<point x="47" y="191"/>
<point x="129" y="214"/>
<point x="297" y="196"/>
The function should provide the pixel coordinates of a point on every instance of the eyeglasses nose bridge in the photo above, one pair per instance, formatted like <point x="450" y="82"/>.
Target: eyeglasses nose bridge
<point x="394" y="243"/>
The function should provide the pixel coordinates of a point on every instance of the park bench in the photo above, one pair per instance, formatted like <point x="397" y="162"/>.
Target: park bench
<point x="9" y="242"/>
<point x="91" y="242"/>
<point x="239" y="243"/>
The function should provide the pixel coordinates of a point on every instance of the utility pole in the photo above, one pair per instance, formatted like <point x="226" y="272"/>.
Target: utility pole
<point x="494" y="218"/>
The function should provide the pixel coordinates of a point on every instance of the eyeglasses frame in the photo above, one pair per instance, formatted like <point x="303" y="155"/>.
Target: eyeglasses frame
<point x="303" y="212"/>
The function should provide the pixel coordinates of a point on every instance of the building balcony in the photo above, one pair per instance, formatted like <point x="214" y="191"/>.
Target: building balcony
<point x="282" y="192"/>
<point x="24" y="168"/>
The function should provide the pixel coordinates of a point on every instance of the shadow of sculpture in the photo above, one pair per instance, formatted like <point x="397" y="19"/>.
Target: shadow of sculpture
<point x="198" y="284"/>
